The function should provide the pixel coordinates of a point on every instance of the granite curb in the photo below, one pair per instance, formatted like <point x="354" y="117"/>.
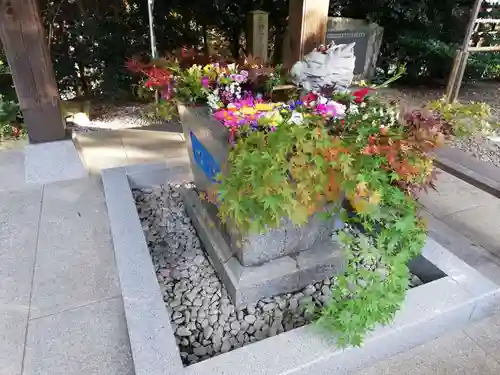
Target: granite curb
<point x="429" y="310"/>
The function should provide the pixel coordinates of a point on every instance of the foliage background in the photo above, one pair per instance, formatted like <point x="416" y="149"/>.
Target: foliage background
<point x="89" y="40"/>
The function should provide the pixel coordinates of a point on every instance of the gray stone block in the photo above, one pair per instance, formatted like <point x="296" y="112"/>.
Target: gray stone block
<point x="152" y="341"/>
<point x="51" y="162"/>
<point x="89" y="340"/>
<point x="252" y="249"/>
<point x="247" y="284"/>
<point x="255" y="249"/>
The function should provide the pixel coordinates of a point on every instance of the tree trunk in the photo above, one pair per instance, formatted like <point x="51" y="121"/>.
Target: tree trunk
<point x="235" y="42"/>
<point x="206" y="42"/>
<point x="23" y="38"/>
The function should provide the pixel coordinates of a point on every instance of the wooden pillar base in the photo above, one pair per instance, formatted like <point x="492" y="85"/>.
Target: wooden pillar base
<point x="23" y="39"/>
<point x="307" y="25"/>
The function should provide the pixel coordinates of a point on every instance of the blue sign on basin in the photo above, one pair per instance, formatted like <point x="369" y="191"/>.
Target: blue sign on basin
<point x="203" y="159"/>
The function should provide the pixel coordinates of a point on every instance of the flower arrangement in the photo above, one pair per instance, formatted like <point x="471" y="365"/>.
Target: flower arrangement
<point x="292" y="159"/>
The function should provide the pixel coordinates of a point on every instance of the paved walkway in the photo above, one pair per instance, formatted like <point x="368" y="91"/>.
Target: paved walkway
<point x="60" y="307"/>
<point x="61" y="310"/>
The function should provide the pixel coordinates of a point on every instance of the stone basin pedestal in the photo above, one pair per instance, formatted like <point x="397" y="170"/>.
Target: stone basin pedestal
<point x="251" y="266"/>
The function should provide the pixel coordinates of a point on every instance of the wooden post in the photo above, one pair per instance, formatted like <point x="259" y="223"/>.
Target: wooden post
<point x="23" y="39"/>
<point x="307" y="25"/>
<point x="460" y="63"/>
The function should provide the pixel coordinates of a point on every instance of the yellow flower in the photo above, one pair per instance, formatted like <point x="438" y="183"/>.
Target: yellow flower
<point x="264" y="106"/>
<point x="248" y="110"/>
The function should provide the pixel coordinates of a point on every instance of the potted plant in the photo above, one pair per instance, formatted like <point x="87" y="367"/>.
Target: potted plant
<point x="293" y="159"/>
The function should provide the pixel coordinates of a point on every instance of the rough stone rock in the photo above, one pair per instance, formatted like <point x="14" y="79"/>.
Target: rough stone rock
<point x="226" y="346"/>
<point x="183" y="332"/>
<point x="207" y="332"/>
<point x="200" y="351"/>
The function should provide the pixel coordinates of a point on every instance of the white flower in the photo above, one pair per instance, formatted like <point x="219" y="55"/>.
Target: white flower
<point x="296" y="118"/>
<point x="322" y="100"/>
<point x="362" y="105"/>
<point x="353" y="109"/>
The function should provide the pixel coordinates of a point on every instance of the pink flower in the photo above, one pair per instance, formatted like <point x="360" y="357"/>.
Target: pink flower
<point x="205" y="82"/>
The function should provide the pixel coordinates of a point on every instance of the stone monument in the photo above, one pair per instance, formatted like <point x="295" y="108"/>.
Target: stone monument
<point x="256" y="265"/>
<point x="366" y="36"/>
<point x="258" y="34"/>
<point x="281" y="260"/>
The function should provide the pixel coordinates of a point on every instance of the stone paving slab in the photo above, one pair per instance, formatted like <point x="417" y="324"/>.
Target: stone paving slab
<point x="90" y="340"/>
<point x="19" y="218"/>
<point x="481" y="224"/>
<point x="487" y="335"/>
<point x="466" y="209"/>
<point x="455" y="354"/>
<point x="109" y="149"/>
<point x="100" y="150"/>
<point x="75" y="259"/>
<point x="11" y="169"/>
<point x="482" y="175"/>
<point x="146" y="146"/>
<point x="52" y="161"/>
<point x="13" y="321"/>
<point x="453" y="195"/>
<point x="471" y="253"/>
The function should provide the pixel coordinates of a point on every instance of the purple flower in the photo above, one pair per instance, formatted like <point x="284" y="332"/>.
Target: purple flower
<point x="205" y="82"/>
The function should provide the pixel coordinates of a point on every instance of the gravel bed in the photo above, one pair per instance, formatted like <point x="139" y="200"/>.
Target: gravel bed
<point x="204" y="320"/>
<point x="481" y="148"/>
<point x="115" y="117"/>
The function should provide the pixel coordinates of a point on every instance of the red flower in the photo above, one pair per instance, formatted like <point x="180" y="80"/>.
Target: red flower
<point x="310" y="97"/>
<point x="15" y="131"/>
<point x="359" y="95"/>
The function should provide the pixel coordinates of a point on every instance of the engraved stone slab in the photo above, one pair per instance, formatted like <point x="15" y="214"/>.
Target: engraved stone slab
<point x="366" y="36"/>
